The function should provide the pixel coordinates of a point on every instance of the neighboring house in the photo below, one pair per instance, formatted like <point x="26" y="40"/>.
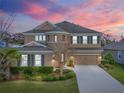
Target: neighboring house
<point x="117" y="50"/>
<point x="84" y="44"/>
<point x="2" y="44"/>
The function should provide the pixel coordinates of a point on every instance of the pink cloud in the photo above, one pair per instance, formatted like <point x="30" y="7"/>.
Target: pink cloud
<point x="56" y="17"/>
<point x="36" y="11"/>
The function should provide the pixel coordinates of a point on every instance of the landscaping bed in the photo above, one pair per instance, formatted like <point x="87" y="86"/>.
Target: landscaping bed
<point x="40" y="74"/>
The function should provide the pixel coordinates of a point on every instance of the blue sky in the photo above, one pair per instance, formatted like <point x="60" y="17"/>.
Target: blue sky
<point x="105" y="16"/>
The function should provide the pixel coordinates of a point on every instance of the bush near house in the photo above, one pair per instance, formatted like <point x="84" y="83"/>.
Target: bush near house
<point x="31" y="70"/>
<point x="40" y="73"/>
<point x="108" y="59"/>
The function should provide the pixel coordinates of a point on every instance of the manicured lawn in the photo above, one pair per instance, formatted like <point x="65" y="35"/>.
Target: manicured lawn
<point x="117" y="71"/>
<point x="66" y="86"/>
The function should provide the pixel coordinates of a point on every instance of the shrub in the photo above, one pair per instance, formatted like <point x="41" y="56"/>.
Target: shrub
<point x="108" y="66"/>
<point x="28" y="71"/>
<point x="70" y="74"/>
<point x="46" y="70"/>
<point x="108" y="59"/>
<point x="71" y="62"/>
<point x="64" y="70"/>
<point x="31" y="70"/>
<point x="63" y="77"/>
<point x="1" y="77"/>
<point x="28" y="77"/>
<point x="37" y="78"/>
<point x="49" y="78"/>
<point x="14" y="71"/>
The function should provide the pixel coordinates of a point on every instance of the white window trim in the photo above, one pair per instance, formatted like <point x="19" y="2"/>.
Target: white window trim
<point x="40" y="37"/>
<point x="36" y="38"/>
<point x="55" y="38"/>
<point x="95" y="38"/>
<point x="74" y="39"/>
<point x="85" y="39"/>
<point x="37" y="59"/>
<point x="24" y="60"/>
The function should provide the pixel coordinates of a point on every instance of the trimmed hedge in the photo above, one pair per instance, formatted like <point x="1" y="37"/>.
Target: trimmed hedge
<point x="31" y="70"/>
<point x="67" y="75"/>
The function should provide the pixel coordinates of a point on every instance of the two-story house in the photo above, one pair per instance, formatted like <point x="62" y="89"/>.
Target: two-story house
<point x="83" y="44"/>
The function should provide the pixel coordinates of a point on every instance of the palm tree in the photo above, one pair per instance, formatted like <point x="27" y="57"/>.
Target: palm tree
<point x="7" y="56"/>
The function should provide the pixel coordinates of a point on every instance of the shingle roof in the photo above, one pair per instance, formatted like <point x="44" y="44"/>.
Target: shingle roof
<point x="34" y="46"/>
<point x="115" y="46"/>
<point x="60" y="27"/>
<point x="73" y="28"/>
<point x="45" y="27"/>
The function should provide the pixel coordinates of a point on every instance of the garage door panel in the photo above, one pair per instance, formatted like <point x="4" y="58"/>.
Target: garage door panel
<point x="86" y="59"/>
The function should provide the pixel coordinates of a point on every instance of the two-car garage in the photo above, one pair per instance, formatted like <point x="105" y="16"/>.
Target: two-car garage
<point x="88" y="59"/>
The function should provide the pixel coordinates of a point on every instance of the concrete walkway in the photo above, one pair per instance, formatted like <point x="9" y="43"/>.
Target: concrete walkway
<point x="93" y="79"/>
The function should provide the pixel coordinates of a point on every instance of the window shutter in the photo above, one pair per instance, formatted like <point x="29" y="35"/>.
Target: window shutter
<point x="78" y="39"/>
<point x="32" y="60"/>
<point x="42" y="60"/>
<point x="89" y="40"/>
<point x="98" y="39"/>
<point x="71" y="40"/>
<point x="81" y="40"/>
<point x="28" y="59"/>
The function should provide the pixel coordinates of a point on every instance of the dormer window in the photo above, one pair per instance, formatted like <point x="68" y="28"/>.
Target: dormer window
<point x="40" y="38"/>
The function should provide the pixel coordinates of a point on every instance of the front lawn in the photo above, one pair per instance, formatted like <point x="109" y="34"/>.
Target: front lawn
<point x="23" y="86"/>
<point x="116" y="70"/>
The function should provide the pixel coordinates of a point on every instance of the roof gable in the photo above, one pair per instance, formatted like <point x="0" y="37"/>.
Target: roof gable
<point x="45" y="27"/>
<point x="33" y="43"/>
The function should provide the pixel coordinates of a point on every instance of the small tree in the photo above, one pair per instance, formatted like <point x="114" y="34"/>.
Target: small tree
<point x="60" y="48"/>
<point x="7" y="56"/>
<point x="108" y="59"/>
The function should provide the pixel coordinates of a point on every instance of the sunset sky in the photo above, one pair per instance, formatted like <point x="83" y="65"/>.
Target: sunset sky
<point x="102" y="15"/>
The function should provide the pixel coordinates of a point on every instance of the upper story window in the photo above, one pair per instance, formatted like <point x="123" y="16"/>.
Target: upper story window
<point x="40" y="37"/>
<point x="85" y="40"/>
<point x="55" y="38"/>
<point x="94" y="39"/>
<point x="74" y="39"/>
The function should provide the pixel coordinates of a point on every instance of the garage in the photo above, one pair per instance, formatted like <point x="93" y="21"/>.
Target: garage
<point x="87" y="59"/>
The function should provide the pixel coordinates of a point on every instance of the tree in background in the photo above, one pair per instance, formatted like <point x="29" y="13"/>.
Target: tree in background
<point x="7" y="57"/>
<point x="5" y="27"/>
<point x="107" y="39"/>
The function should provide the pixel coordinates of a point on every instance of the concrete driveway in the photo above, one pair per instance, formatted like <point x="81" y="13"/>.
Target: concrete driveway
<point x="93" y="79"/>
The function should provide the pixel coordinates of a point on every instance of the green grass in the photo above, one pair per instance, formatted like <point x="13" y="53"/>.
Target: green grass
<point x="117" y="71"/>
<point x="67" y="86"/>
